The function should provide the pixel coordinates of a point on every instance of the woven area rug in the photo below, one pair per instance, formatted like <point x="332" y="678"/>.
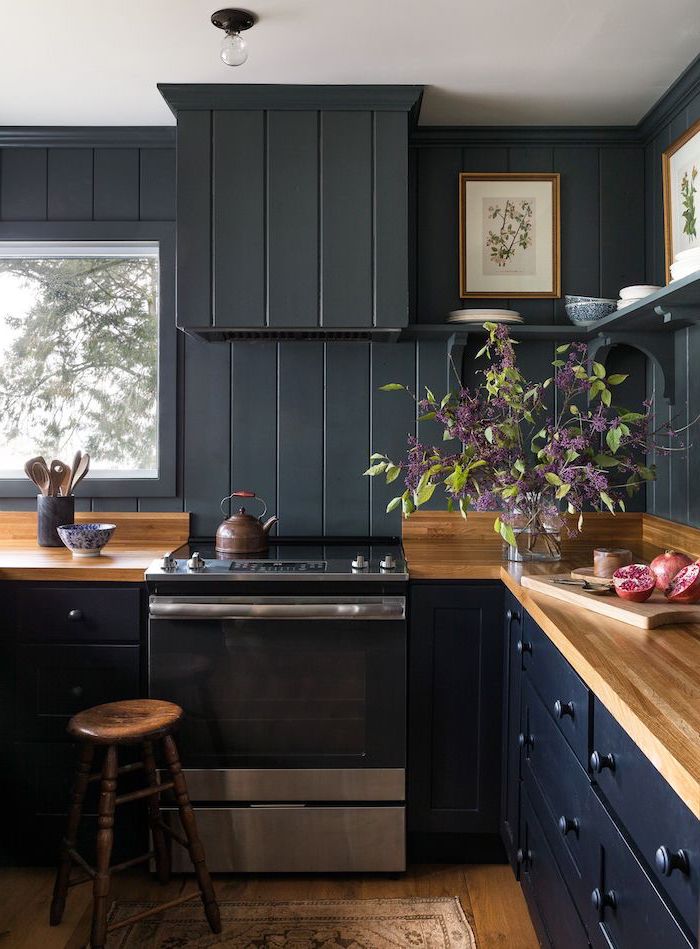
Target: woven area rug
<point x="413" y="923"/>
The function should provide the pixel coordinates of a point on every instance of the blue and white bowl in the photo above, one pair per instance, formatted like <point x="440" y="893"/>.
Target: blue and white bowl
<point x="589" y="311"/>
<point x="86" y="540"/>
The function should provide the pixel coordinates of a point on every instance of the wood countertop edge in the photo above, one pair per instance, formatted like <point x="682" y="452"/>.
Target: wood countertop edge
<point x="684" y="782"/>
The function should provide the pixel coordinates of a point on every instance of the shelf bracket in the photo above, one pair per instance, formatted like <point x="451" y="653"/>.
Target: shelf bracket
<point x="658" y="347"/>
<point x="678" y="313"/>
<point x="456" y="345"/>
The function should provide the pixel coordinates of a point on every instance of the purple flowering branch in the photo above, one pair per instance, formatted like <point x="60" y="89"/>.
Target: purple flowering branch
<point x="504" y="450"/>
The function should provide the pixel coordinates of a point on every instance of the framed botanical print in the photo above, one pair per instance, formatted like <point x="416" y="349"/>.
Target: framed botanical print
<point x="681" y="180"/>
<point x="509" y="235"/>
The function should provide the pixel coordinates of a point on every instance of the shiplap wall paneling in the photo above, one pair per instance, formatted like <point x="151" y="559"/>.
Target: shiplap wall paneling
<point x="292" y="225"/>
<point x="116" y="184"/>
<point x="23" y="191"/>
<point x="238" y="185"/>
<point x="194" y="245"/>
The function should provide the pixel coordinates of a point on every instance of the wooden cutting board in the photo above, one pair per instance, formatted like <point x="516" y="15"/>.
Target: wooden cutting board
<point x="657" y="611"/>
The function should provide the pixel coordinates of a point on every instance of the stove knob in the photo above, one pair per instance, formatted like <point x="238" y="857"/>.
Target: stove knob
<point x="168" y="563"/>
<point x="359" y="563"/>
<point x="195" y="563"/>
<point x="388" y="563"/>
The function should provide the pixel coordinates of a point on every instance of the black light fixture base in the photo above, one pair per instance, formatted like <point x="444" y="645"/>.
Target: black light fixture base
<point x="233" y="20"/>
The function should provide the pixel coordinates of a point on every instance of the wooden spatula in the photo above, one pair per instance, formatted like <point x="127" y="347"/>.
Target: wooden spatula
<point x="57" y="474"/>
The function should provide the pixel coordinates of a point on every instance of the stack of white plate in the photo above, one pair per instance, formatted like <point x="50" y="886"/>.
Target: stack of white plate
<point x="685" y="262"/>
<point x="484" y="316"/>
<point x="630" y="295"/>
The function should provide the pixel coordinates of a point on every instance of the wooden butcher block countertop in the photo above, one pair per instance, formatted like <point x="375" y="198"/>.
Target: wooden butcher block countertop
<point x="138" y="539"/>
<point x="649" y="680"/>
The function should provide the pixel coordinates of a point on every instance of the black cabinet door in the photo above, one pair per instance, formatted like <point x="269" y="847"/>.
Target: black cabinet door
<point x="454" y="707"/>
<point x="510" y="760"/>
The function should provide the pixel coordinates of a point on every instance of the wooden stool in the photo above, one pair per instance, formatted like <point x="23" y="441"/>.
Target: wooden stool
<point x="141" y="721"/>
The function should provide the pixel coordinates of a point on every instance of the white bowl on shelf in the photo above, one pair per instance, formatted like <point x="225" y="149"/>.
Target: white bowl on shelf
<point x="693" y="253"/>
<point x="638" y="292"/>
<point x="681" y="269"/>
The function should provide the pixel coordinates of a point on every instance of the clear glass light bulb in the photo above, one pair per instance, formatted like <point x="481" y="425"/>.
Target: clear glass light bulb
<point x="234" y="49"/>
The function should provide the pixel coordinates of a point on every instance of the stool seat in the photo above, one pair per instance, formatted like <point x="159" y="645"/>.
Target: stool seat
<point x="125" y="722"/>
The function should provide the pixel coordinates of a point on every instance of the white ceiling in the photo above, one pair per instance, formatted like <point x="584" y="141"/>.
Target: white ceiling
<point x="494" y="62"/>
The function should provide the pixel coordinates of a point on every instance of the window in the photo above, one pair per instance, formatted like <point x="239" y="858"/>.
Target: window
<point x="79" y="347"/>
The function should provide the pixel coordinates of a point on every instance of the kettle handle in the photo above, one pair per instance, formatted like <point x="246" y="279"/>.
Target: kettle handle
<point x="243" y="494"/>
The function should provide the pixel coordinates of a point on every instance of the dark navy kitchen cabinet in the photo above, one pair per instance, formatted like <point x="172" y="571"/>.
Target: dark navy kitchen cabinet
<point x="607" y="853"/>
<point x="454" y="708"/>
<point x="292" y="207"/>
<point x="66" y="647"/>
<point x="510" y="761"/>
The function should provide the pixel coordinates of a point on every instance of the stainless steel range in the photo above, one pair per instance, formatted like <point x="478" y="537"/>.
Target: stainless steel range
<point x="291" y="668"/>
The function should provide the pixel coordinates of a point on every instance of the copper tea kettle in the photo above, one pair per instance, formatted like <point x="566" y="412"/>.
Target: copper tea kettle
<point x="243" y="533"/>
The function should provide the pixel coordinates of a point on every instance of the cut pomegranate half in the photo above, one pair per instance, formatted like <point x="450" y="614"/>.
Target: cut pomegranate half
<point x="635" y="582"/>
<point x="685" y="586"/>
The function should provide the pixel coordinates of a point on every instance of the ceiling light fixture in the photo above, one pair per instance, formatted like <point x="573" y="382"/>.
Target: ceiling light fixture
<point x="234" y="49"/>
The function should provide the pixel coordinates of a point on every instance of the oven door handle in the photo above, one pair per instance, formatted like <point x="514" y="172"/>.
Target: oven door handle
<point x="387" y="608"/>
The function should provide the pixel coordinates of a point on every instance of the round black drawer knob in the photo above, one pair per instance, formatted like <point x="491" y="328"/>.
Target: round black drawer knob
<point x="526" y="741"/>
<point x="563" y="708"/>
<point x="75" y="616"/>
<point x="600" y="762"/>
<point x="523" y="857"/>
<point x="524" y="646"/>
<point x="668" y="860"/>
<point x="568" y="824"/>
<point x="77" y="691"/>
<point x="600" y="900"/>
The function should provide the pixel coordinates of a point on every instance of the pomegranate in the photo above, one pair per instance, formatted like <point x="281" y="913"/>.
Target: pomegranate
<point x="685" y="586"/>
<point x="667" y="565"/>
<point x="635" y="582"/>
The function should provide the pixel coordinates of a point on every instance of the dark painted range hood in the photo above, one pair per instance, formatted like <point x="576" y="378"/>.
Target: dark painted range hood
<point x="292" y="210"/>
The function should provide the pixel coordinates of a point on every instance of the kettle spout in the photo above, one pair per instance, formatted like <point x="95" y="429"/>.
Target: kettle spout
<point x="270" y="523"/>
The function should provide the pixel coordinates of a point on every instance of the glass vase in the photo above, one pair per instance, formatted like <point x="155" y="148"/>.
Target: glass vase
<point x="537" y="530"/>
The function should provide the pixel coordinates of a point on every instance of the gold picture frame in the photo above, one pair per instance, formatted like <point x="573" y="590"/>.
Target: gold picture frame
<point x="670" y="215"/>
<point x="522" y="258"/>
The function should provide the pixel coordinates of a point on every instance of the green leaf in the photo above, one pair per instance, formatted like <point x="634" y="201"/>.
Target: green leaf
<point x="558" y="363"/>
<point x="430" y="396"/>
<point x="565" y="348"/>
<point x="407" y="505"/>
<point x="376" y="469"/>
<point x="632" y="417"/>
<point x="520" y="466"/>
<point x="547" y="383"/>
<point x="647" y="473"/>
<point x="447" y="435"/>
<point x="553" y="478"/>
<point x="463" y="508"/>
<point x="510" y="491"/>
<point x="562" y="491"/>
<point x="605" y="397"/>
<point x="571" y="455"/>
<point x="393" y="504"/>
<point x="605" y="461"/>
<point x="617" y="378"/>
<point x="607" y="501"/>
<point x="424" y="493"/>
<point x="391" y="387"/>
<point x="488" y="434"/>
<point x="392" y="473"/>
<point x="445" y="400"/>
<point x="427" y="417"/>
<point x="377" y="457"/>
<point x="508" y="535"/>
<point x="596" y="387"/>
<point x="613" y="438"/>
<point x="574" y="410"/>
<point x="622" y="505"/>
<point x="599" y="370"/>
<point x="580" y="522"/>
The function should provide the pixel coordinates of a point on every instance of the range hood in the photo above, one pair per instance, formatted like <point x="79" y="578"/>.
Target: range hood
<point x="292" y="210"/>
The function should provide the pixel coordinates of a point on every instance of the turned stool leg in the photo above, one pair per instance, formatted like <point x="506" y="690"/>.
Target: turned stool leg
<point x="82" y="776"/>
<point x="160" y="844"/>
<point x="189" y="825"/>
<point x="105" y="837"/>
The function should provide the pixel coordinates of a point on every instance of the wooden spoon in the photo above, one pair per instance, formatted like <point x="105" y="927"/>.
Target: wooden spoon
<point x="57" y="473"/>
<point x="41" y="476"/>
<point x="74" y="467"/>
<point x="28" y="465"/>
<point x="80" y="472"/>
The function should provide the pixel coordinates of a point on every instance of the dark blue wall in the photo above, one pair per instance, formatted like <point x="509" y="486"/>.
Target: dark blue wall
<point x="672" y="494"/>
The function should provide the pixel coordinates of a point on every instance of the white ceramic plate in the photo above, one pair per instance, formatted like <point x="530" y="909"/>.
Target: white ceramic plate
<point x="480" y="316"/>
<point x="638" y="292"/>
<point x="681" y="269"/>
<point x="693" y="253"/>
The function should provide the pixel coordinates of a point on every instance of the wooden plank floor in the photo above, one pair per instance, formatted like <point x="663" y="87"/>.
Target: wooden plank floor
<point x="498" y="909"/>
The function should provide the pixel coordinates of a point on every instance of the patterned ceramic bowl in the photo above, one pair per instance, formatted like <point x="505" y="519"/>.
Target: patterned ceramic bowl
<point x="583" y="313"/>
<point x="86" y="540"/>
<point x="570" y="298"/>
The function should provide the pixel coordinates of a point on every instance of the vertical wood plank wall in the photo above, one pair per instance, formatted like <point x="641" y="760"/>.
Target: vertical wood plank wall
<point x="673" y="494"/>
<point x="296" y="422"/>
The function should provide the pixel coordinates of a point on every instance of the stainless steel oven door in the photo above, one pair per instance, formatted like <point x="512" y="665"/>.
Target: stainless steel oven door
<point x="286" y="683"/>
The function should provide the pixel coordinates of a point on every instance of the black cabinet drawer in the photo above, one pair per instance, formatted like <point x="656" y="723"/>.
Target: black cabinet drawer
<point x="565" y="696"/>
<point x="78" y="613"/>
<point x="544" y="886"/>
<point x="649" y="809"/>
<point x="625" y="909"/>
<point x="55" y="682"/>
<point x="552" y="775"/>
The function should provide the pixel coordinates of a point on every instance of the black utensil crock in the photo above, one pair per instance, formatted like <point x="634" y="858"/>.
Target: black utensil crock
<point x="52" y="512"/>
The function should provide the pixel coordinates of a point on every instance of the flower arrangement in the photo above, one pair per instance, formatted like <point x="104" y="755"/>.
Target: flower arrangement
<point x="511" y="453"/>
